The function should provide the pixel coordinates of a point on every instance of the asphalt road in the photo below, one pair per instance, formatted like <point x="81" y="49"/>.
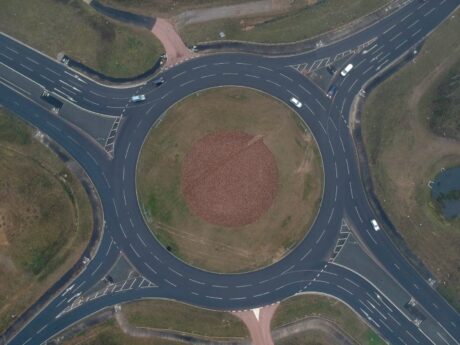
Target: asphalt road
<point x="305" y="269"/>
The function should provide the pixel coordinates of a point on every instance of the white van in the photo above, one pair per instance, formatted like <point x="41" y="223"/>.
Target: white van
<point x="346" y="70"/>
<point x="375" y="225"/>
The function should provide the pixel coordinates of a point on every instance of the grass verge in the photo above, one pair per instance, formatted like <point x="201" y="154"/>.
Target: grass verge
<point x="404" y="154"/>
<point x="301" y="22"/>
<point x="301" y="307"/>
<point x="72" y="27"/>
<point x="108" y="333"/>
<point x="184" y="318"/>
<point x="167" y="8"/>
<point x="220" y="248"/>
<point x="45" y="218"/>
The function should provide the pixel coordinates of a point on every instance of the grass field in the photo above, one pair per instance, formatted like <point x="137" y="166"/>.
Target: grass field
<point x="301" y="22"/>
<point x="167" y="8"/>
<point x="404" y="154"/>
<point x="219" y="248"/>
<point x="184" y="318"/>
<point x="300" y="307"/>
<point x="109" y="333"/>
<point x="72" y="27"/>
<point x="444" y="119"/>
<point x="45" y="218"/>
<point x="164" y="315"/>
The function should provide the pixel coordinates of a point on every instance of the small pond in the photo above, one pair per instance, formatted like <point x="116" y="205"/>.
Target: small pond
<point x="446" y="191"/>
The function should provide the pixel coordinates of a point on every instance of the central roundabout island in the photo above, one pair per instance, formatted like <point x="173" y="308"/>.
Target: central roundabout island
<point x="229" y="180"/>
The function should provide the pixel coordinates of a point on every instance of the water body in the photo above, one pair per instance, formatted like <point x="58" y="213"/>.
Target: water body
<point x="446" y="191"/>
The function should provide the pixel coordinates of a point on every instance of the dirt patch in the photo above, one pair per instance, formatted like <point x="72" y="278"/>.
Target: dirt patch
<point x="175" y="49"/>
<point x="258" y="322"/>
<point x="229" y="179"/>
<point x="243" y="238"/>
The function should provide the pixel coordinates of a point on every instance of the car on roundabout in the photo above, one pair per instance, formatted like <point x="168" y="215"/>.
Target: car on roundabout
<point x="296" y="102"/>
<point x="138" y="98"/>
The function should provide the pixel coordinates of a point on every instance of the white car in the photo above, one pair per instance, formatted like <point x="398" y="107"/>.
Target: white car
<point x="375" y="225"/>
<point x="296" y="102"/>
<point x="138" y="98"/>
<point x="347" y="69"/>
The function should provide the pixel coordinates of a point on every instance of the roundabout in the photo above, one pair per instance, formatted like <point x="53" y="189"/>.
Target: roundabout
<point x="308" y="266"/>
<point x="230" y="179"/>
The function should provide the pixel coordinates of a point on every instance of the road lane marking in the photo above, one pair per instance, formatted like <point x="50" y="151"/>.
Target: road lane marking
<point x="97" y="268"/>
<point x="410" y="334"/>
<point x="13" y="50"/>
<point x="373" y="240"/>
<point x="53" y="71"/>
<point x="188" y="82"/>
<point x="110" y="246"/>
<point x="134" y="250"/>
<point x="124" y="198"/>
<point x="140" y="239"/>
<point x="395" y="36"/>
<point x="430" y="11"/>
<point x="198" y="67"/>
<point x="213" y="297"/>
<point x="285" y="76"/>
<point x="407" y="16"/>
<point x="309" y="109"/>
<point x="6" y="56"/>
<point x="416" y="32"/>
<point x="306" y="254"/>
<point x="175" y="272"/>
<point x="359" y="216"/>
<point x="400" y="44"/>
<point x="196" y="281"/>
<point x="368" y="69"/>
<point x="351" y="190"/>
<point x="352" y="282"/>
<point x="150" y="268"/>
<point x="394" y="319"/>
<point x="336" y="191"/>
<point x="178" y="75"/>
<point x="320" y="104"/>
<point x="32" y="60"/>
<point x="341" y="287"/>
<point x="332" y="148"/>
<point x="115" y="206"/>
<point x="389" y="29"/>
<point x="320" y="236"/>
<point x="46" y="78"/>
<point x="26" y="67"/>
<point x="413" y="23"/>
<point x="243" y="286"/>
<point x="330" y="217"/>
<point x="272" y="82"/>
<point x="123" y="231"/>
<point x="306" y="90"/>
<point x="96" y="94"/>
<point x="167" y="281"/>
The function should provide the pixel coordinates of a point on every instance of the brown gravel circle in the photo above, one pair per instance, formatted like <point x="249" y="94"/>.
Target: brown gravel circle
<point x="229" y="178"/>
